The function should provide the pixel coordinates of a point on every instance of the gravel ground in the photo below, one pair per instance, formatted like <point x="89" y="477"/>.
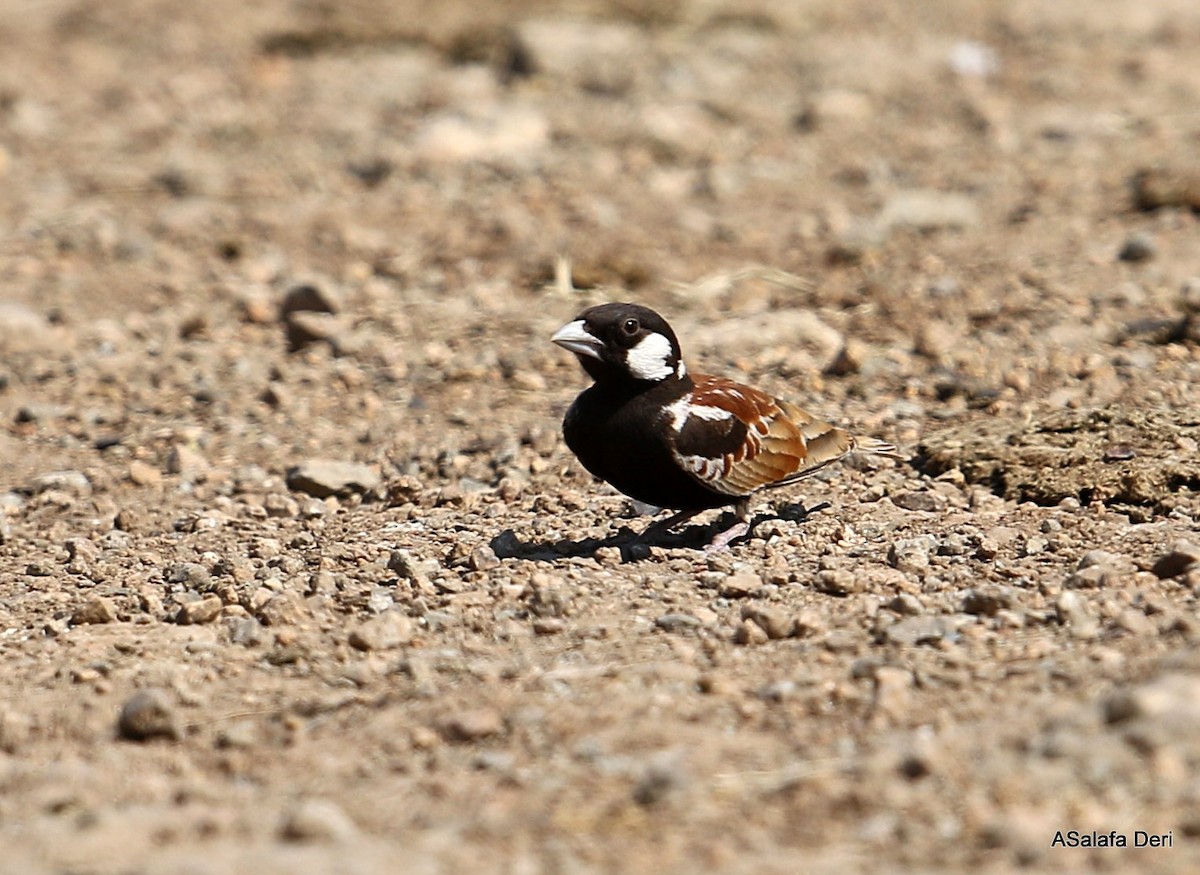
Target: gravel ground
<point x="297" y="575"/>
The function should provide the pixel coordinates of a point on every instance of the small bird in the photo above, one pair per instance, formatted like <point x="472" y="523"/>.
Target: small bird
<point x="687" y="442"/>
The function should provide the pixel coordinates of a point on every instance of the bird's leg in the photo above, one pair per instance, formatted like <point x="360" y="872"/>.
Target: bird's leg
<point x="739" y="529"/>
<point x="655" y="529"/>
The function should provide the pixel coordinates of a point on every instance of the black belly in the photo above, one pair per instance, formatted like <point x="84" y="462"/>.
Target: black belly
<point x="616" y="439"/>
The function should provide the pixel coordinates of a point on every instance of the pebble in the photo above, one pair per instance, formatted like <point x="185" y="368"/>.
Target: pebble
<point x="410" y="570"/>
<point x="677" y="622"/>
<point x="144" y="474"/>
<point x="199" y="611"/>
<point x="920" y="501"/>
<point x="749" y="632"/>
<point x="70" y="482"/>
<point x="740" y="584"/>
<point x="988" y="600"/>
<point x="284" y="609"/>
<point x="1072" y="610"/>
<point x="1135" y="622"/>
<point x="892" y="693"/>
<point x="191" y="575"/>
<point x="94" y="610"/>
<point x="911" y="554"/>
<point x="472" y="725"/>
<point x="774" y="621"/>
<point x="317" y="821"/>
<point x="838" y="581"/>
<point x="148" y="714"/>
<point x="919" y="630"/>
<point x="387" y="631"/>
<point x="1138" y="248"/>
<point x="309" y="297"/>
<point x="927" y="210"/>
<point x="325" y="477"/>
<point x="186" y="461"/>
<point x="1181" y="559"/>
<point x="483" y="558"/>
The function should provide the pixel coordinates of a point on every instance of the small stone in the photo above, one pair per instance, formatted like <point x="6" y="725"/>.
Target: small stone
<point x="325" y="477"/>
<point x="280" y="506"/>
<point x="284" y="609"/>
<point x="304" y="329"/>
<point x="483" y="558"/>
<point x="677" y="622"/>
<point x="144" y="474"/>
<point x="838" y="581"/>
<point x="925" y="210"/>
<point x="472" y="725"/>
<point x="1135" y="622"/>
<point x="317" y="821"/>
<point x="607" y="556"/>
<point x="911" y="554"/>
<point x="1072" y="610"/>
<point x="920" y="501"/>
<point x="70" y="482"/>
<point x="191" y="575"/>
<point x="549" y="625"/>
<point x="199" y="611"/>
<point x="774" y="621"/>
<point x="187" y="462"/>
<point x="988" y="600"/>
<point x="1172" y="701"/>
<point x="309" y="297"/>
<point x="906" y="605"/>
<point x="740" y="584"/>
<point x="1137" y="248"/>
<point x="410" y="570"/>
<point x="892" y="694"/>
<point x="387" y="631"/>
<point x="94" y="610"/>
<point x="749" y="632"/>
<point x="148" y="714"/>
<point x="1182" y="558"/>
<point x="918" y="630"/>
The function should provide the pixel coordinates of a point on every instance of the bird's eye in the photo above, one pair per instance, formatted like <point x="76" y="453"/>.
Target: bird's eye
<point x="630" y="327"/>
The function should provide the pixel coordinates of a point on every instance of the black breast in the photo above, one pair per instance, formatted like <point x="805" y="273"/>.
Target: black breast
<point x="619" y="435"/>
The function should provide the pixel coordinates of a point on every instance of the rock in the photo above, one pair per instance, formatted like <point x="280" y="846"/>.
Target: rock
<point x="920" y="500"/>
<point x="1181" y="559"/>
<point x="317" y="820"/>
<point x="284" y="609"/>
<point x="325" y="477"/>
<point x="144" y="474"/>
<point x="303" y="329"/>
<point x="740" y="584"/>
<point x="483" y="558"/>
<point x="187" y="462"/>
<point x="410" y="570"/>
<point x="549" y="625"/>
<point x="148" y="714"/>
<point x="988" y="600"/>
<point x="1167" y="186"/>
<point x="1072" y="610"/>
<point x="919" y="630"/>
<point x="838" y="581"/>
<point x="309" y="297"/>
<point x="749" y="632"/>
<point x="387" y="631"/>
<point x="199" y="611"/>
<point x="925" y="210"/>
<point x="1135" y="622"/>
<point x="190" y="575"/>
<point x="833" y="106"/>
<point x="677" y="622"/>
<point x="774" y="621"/>
<point x="1170" y="699"/>
<point x="593" y="55"/>
<point x="472" y="725"/>
<point x="1138" y="248"/>
<point x="94" y="610"/>
<point x="70" y="482"/>
<point x="911" y="554"/>
<point x="511" y="134"/>
<point x="892" y="693"/>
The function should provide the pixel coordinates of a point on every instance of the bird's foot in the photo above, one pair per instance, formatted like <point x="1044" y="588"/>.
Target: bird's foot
<point x="724" y="539"/>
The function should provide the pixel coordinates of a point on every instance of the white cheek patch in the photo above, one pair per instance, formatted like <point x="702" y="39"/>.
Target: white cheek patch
<point x="650" y="359"/>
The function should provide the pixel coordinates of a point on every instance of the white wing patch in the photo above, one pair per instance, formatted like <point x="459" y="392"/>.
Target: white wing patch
<point x="650" y="359"/>
<point x="679" y="412"/>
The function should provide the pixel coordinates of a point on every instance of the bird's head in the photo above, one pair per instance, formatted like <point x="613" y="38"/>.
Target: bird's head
<point x="623" y="342"/>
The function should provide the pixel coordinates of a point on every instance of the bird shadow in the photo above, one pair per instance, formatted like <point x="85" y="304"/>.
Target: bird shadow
<point x="508" y="545"/>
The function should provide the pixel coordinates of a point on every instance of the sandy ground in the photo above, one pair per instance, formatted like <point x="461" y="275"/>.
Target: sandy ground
<point x="296" y="574"/>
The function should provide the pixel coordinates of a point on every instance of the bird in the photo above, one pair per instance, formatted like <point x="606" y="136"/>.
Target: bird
<point x="671" y="439"/>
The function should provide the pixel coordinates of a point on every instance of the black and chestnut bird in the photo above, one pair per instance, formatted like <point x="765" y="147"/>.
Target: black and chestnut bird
<point x="687" y="442"/>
